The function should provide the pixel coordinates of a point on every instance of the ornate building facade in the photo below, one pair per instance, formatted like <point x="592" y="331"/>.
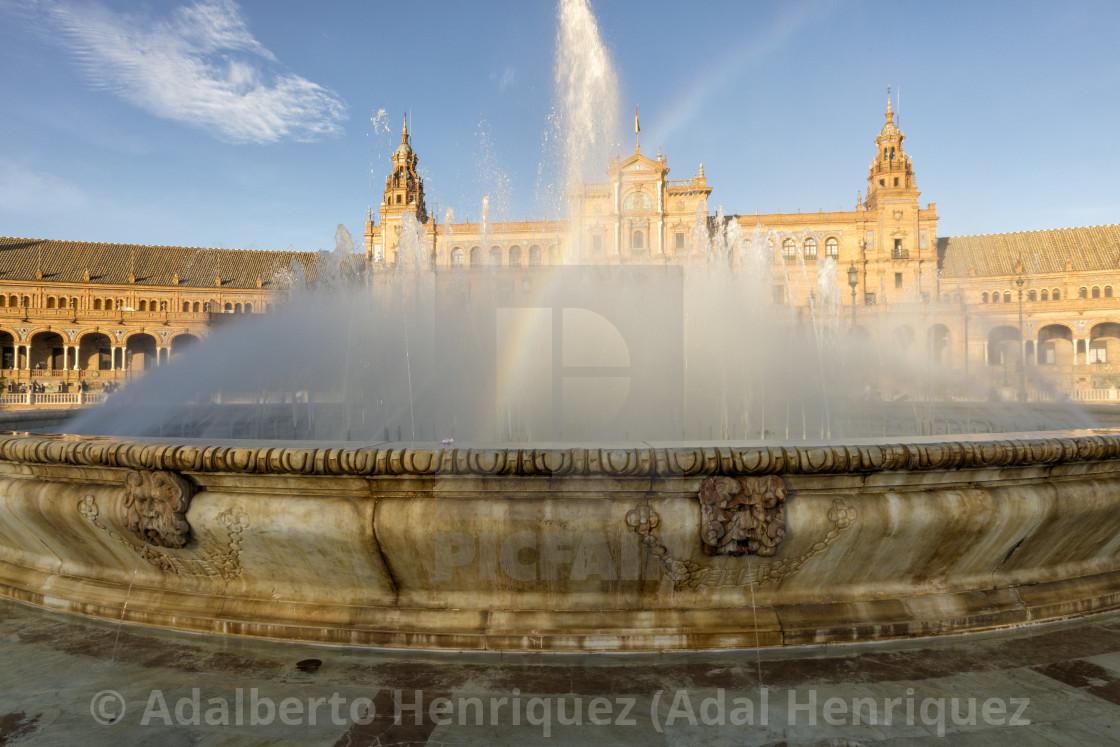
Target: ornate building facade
<point x="1030" y="315"/>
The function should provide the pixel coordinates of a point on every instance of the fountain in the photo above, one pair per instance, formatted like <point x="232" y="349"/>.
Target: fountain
<point x="558" y="459"/>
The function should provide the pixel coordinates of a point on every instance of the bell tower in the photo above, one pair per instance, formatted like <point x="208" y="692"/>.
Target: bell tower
<point x="404" y="193"/>
<point x="891" y="177"/>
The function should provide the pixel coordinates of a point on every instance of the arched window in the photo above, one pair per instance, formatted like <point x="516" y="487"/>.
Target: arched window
<point x="515" y="256"/>
<point x="495" y="255"/>
<point x="1032" y="295"/>
<point x="639" y="241"/>
<point x="1096" y="291"/>
<point x="832" y="247"/>
<point x="1045" y="295"/>
<point x="476" y="255"/>
<point x="810" y="249"/>
<point x="1055" y="295"/>
<point x="789" y="250"/>
<point x="1108" y="291"/>
<point x="457" y="257"/>
<point x="983" y="298"/>
<point x="534" y="255"/>
<point x="1082" y="292"/>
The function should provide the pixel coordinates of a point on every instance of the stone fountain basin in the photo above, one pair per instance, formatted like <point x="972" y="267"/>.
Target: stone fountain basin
<point x="557" y="547"/>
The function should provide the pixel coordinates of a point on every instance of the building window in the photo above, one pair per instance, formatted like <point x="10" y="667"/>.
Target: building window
<point x="810" y="248"/>
<point x="832" y="248"/>
<point x="789" y="250"/>
<point x="1032" y="295"/>
<point x="898" y="280"/>
<point x="639" y="240"/>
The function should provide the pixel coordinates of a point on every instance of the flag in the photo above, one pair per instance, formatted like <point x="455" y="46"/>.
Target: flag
<point x="637" y="129"/>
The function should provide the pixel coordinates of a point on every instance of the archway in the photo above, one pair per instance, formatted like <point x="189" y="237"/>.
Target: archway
<point x="8" y="359"/>
<point x="1003" y="346"/>
<point x="140" y="352"/>
<point x="181" y="343"/>
<point x="95" y="352"/>
<point x="48" y="351"/>
<point x="1055" y="345"/>
<point x="937" y="340"/>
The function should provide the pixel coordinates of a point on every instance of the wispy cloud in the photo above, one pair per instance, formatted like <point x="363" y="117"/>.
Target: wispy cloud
<point x="504" y="79"/>
<point x="202" y="67"/>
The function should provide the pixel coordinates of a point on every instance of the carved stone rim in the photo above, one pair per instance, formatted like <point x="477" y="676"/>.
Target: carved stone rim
<point x="639" y="459"/>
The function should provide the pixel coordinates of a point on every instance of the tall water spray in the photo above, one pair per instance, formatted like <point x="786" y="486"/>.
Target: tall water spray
<point x="585" y="122"/>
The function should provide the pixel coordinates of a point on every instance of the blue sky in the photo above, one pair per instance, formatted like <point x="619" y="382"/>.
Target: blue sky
<point x="255" y="124"/>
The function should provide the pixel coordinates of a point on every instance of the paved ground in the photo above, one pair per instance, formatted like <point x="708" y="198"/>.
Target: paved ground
<point x="68" y="680"/>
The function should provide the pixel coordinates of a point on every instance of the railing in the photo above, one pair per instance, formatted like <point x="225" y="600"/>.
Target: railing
<point x="1096" y="395"/>
<point x="52" y="399"/>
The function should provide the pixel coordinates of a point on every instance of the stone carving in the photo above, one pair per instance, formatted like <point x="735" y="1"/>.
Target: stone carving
<point x="742" y="515"/>
<point x="688" y="574"/>
<point x="225" y="564"/>
<point x="155" y="506"/>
